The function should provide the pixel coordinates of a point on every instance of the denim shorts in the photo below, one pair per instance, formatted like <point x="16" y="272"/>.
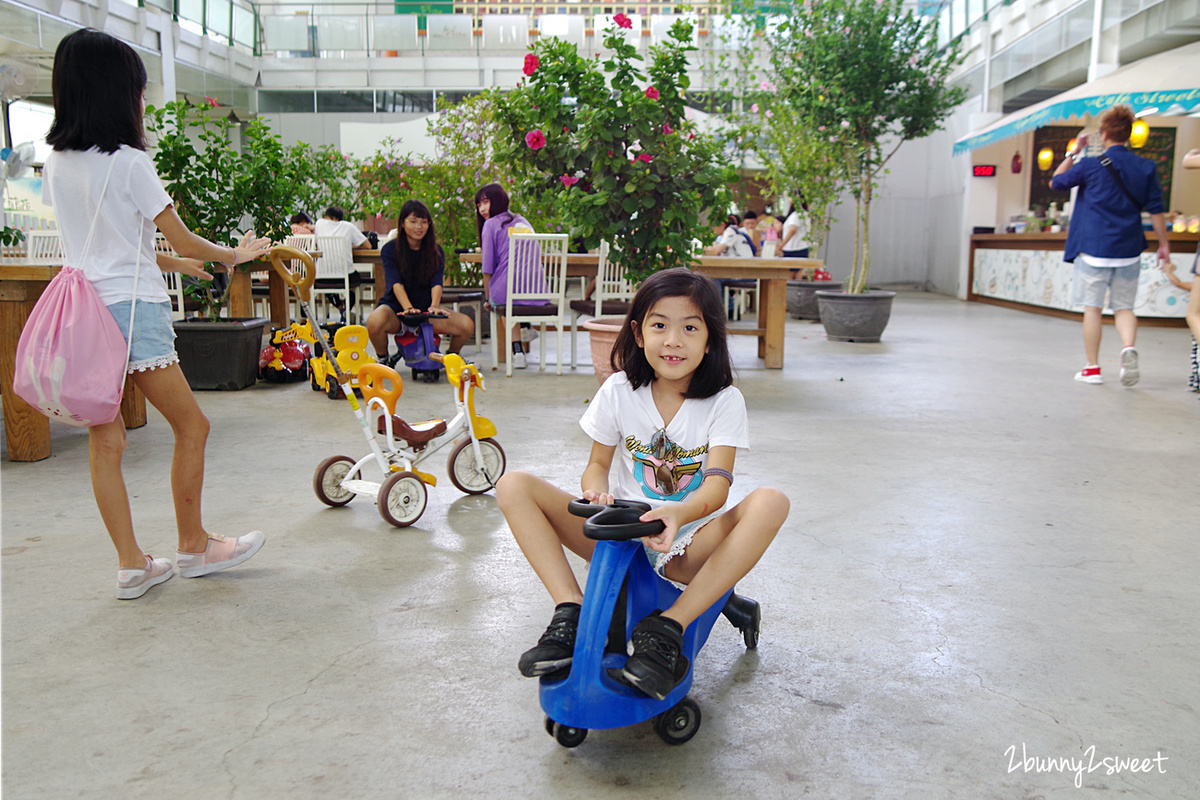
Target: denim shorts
<point x="1090" y="284"/>
<point x="153" y="334"/>
<point x="683" y="537"/>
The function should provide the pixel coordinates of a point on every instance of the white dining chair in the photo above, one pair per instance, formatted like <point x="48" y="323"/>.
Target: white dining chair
<point x="537" y="270"/>
<point x="44" y="247"/>
<point x="612" y="296"/>
<point x="333" y="271"/>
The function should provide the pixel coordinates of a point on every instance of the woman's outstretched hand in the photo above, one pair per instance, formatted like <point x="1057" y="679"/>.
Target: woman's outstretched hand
<point x="251" y="249"/>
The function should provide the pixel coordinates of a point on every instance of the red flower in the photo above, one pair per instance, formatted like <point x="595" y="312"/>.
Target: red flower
<point x="623" y="21"/>
<point x="568" y="181"/>
<point x="531" y="64"/>
<point x="212" y="101"/>
<point x="667" y="129"/>
<point x="535" y="139"/>
<point x="564" y="129"/>
<point x="652" y="93"/>
<point x="644" y="157"/>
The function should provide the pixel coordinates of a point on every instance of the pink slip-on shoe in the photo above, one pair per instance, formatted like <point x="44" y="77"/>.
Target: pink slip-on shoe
<point x="221" y="553"/>
<point x="1089" y="375"/>
<point x="133" y="583"/>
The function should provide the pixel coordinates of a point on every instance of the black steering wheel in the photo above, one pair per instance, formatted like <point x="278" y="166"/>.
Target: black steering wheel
<point x="617" y="522"/>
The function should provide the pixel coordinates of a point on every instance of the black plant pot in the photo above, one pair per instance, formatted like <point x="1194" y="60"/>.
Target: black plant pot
<point x="855" y="317"/>
<point x="221" y="354"/>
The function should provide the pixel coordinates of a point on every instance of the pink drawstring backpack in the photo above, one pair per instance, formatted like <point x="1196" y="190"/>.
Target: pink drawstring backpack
<point x="71" y="357"/>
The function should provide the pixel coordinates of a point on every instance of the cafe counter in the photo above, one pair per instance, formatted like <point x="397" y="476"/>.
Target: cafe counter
<point x="1026" y="270"/>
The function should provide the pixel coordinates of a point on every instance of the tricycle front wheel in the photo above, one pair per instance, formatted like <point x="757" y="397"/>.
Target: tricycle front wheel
<point x="402" y="499"/>
<point x="468" y="474"/>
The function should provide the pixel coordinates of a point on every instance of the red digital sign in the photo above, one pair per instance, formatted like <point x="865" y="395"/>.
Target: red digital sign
<point x="985" y="170"/>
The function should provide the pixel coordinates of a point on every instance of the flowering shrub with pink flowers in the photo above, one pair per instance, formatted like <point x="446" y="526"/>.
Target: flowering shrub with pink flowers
<point x="607" y="141"/>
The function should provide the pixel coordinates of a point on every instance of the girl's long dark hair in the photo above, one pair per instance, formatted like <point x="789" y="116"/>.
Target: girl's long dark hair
<point x="499" y="200"/>
<point x="417" y="267"/>
<point x="715" y="371"/>
<point x="97" y="83"/>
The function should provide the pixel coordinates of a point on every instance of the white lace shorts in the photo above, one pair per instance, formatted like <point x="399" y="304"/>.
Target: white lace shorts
<point x="153" y="334"/>
<point x="683" y="537"/>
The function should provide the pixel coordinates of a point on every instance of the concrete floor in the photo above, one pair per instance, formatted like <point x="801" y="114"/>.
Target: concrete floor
<point x="985" y="562"/>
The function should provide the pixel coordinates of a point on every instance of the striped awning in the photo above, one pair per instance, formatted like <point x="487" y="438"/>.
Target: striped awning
<point x="1167" y="82"/>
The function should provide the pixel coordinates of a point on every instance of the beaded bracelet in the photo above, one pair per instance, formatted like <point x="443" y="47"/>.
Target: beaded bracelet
<point x="721" y="473"/>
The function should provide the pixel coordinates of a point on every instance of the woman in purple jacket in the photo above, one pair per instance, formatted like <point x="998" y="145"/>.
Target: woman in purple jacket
<point x="494" y="222"/>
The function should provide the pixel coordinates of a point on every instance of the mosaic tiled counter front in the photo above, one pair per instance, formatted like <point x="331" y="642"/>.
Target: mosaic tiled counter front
<point x="1028" y="269"/>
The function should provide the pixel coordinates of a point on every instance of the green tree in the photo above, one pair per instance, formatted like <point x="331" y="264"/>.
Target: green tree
<point x="870" y="76"/>
<point x="608" y="142"/>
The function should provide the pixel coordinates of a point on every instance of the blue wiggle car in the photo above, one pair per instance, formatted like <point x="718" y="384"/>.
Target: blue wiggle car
<point x="622" y="588"/>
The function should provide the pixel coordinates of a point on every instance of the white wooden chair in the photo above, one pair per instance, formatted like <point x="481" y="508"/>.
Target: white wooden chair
<point x="537" y="270"/>
<point x="44" y="247"/>
<point x="333" y="271"/>
<point x="612" y="296"/>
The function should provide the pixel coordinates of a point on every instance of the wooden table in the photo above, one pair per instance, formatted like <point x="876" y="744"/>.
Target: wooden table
<point x="772" y="274"/>
<point x="27" y="430"/>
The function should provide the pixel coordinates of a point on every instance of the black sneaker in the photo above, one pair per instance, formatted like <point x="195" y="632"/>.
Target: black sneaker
<point x="557" y="645"/>
<point x="656" y="662"/>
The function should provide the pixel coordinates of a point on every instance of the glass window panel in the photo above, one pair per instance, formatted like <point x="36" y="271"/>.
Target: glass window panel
<point x="450" y="32"/>
<point x="275" y="101"/>
<point x="568" y="27"/>
<point x="346" y="101"/>
<point x="243" y="26"/>
<point x="511" y="31"/>
<point x="219" y="17"/>
<point x="192" y="11"/>
<point x="395" y="32"/>
<point x="286" y="33"/>
<point x="340" y="33"/>
<point x="388" y="101"/>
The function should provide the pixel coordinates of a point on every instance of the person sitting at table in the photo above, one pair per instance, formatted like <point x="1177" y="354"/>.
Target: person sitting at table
<point x="334" y="224"/>
<point x="302" y="224"/>
<point x="495" y="222"/>
<point x="731" y="241"/>
<point x="413" y="271"/>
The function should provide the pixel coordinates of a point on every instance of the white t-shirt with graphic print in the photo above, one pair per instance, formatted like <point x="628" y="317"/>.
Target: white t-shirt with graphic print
<point x="628" y="419"/>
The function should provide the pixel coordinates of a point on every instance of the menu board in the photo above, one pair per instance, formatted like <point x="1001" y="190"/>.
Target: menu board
<point x="1159" y="148"/>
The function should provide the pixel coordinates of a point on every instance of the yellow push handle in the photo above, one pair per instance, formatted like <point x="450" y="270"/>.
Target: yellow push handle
<point x="301" y="283"/>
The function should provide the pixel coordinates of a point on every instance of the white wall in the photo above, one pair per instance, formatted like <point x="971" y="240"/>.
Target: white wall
<point x="916" y="217"/>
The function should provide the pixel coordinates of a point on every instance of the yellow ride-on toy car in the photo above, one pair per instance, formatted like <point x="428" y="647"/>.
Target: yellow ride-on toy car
<point x="476" y="461"/>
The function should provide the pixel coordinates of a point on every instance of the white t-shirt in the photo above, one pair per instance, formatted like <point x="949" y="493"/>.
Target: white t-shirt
<point x="628" y="419"/>
<point x="339" y="227"/>
<point x="735" y="244"/>
<point x="798" y="239"/>
<point x="135" y="196"/>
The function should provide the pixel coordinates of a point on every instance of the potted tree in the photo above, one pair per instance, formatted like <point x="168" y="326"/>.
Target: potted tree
<point x="214" y="188"/>
<point x="870" y="76"/>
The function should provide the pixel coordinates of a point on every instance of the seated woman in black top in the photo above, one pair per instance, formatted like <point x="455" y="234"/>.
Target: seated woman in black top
<point x="413" y="270"/>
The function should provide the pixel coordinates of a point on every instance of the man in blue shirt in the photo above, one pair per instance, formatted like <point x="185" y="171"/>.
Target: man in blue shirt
<point x="1105" y="238"/>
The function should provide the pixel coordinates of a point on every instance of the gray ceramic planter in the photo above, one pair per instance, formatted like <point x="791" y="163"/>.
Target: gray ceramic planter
<point x="855" y="317"/>
<point x="802" y="297"/>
